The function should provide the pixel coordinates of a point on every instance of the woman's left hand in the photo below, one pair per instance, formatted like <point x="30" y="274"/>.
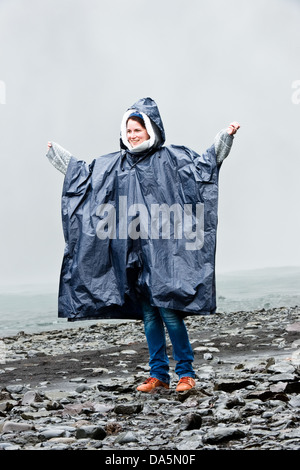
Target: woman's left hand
<point x="233" y="127"/>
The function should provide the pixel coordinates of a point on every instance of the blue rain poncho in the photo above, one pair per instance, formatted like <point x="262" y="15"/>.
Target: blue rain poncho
<point x="140" y="225"/>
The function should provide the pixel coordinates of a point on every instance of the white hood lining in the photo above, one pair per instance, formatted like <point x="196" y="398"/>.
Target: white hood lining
<point x="144" y="145"/>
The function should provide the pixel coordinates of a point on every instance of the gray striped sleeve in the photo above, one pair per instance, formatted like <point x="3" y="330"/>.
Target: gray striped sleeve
<point x="223" y="142"/>
<point x="59" y="157"/>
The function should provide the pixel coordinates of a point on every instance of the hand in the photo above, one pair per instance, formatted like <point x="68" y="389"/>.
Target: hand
<point x="49" y="145"/>
<point x="233" y="127"/>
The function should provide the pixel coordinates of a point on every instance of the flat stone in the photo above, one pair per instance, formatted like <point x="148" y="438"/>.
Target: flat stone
<point x="128" y="351"/>
<point x="31" y="397"/>
<point x="15" y="388"/>
<point x="223" y="434"/>
<point x="8" y="446"/>
<point x="281" y="368"/>
<point x="282" y="378"/>
<point x="32" y="415"/>
<point x="52" y="433"/>
<point x="11" y="426"/>
<point x="231" y="385"/>
<point x="206" y="349"/>
<point x="126" y="437"/>
<point x="190" y="443"/>
<point x="293" y="327"/>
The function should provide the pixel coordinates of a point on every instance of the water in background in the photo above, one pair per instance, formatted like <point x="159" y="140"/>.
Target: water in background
<point x="257" y="289"/>
<point x="33" y="308"/>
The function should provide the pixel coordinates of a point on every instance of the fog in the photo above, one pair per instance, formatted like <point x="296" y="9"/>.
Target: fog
<point x="69" y="69"/>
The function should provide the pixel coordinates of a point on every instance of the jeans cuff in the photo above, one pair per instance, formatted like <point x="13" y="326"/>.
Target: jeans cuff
<point x="162" y="379"/>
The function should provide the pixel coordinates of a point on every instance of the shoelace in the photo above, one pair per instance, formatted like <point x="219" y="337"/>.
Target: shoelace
<point x="150" y="380"/>
<point x="185" y="380"/>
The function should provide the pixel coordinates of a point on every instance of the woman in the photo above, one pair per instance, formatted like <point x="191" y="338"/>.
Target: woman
<point x="140" y="229"/>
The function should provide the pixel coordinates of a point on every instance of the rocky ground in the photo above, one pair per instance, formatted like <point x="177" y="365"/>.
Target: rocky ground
<point x="76" y="388"/>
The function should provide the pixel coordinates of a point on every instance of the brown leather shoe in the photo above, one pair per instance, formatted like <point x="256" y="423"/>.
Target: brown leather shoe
<point x="185" y="383"/>
<point x="150" y="384"/>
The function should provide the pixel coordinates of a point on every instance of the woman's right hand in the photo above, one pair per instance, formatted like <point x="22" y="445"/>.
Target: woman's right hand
<point x="49" y="145"/>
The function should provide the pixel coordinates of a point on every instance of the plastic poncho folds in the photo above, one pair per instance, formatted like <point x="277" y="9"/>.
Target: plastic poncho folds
<point x="140" y="224"/>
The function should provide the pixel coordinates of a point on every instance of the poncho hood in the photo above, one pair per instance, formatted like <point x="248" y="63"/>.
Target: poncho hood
<point x="149" y="111"/>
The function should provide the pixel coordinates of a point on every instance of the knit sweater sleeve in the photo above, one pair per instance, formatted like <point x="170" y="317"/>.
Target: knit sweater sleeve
<point x="59" y="157"/>
<point x="223" y="142"/>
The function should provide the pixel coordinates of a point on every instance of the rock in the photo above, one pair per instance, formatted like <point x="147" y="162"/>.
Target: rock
<point x="208" y="356"/>
<point x="82" y="388"/>
<point x="102" y="408"/>
<point x="268" y="395"/>
<point x="231" y="385"/>
<point x="52" y="432"/>
<point x="73" y="409"/>
<point x="204" y="349"/>
<point x="78" y="379"/>
<point x="11" y="426"/>
<point x="234" y="401"/>
<point x="33" y="415"/>
<point x="281" y="368"/>
<point x="4" y="395"/>
<point x="126" y="437"/>
<point x="8" y="446"/>
<point x="31" y="397"/>
<point x="53" y="405"/>
<point x="190" y="443"/>
<point x="206" y="373"/>
<point x="223" y="415"/>
<point x="283" y="378"/>
<point x="223" y="434"/>
<point x="191" y="421"/>
<point x="91" y="432"/>
<point x="99" y="371"/>
<point x="7" y="405"/>
<point x="128" y="409"/>
<point x="113" y="428"/>
<point x="128" y="351"/>
<point x="15" y="388"/>
<point x="293" y="387"/>
<point x="293" y="327"/>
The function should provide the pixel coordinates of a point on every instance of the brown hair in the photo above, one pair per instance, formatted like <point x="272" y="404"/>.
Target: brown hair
<point x="137" y="119"/>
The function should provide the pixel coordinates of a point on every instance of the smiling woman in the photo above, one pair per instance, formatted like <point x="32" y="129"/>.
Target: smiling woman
<point x="136" y="131"/>
<point x="158" y="266"/>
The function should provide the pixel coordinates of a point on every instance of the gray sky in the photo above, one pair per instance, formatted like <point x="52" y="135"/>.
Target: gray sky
<point x="71" y="68"/>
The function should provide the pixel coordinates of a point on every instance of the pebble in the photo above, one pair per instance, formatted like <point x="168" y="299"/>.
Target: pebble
<point x="222" y="433"/>
<point x="126" y="437"/>
<point x="247" y="395"/>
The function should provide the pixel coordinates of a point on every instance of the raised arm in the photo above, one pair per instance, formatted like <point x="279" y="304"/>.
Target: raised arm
<point x="223" y="141"/>
<point x="58" y="156"/>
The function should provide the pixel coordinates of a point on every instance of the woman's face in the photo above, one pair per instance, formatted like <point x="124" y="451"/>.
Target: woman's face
<point x="136" y="133"/>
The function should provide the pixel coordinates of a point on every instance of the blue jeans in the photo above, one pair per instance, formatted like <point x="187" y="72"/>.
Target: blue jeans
<point x="154" y="320"/>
